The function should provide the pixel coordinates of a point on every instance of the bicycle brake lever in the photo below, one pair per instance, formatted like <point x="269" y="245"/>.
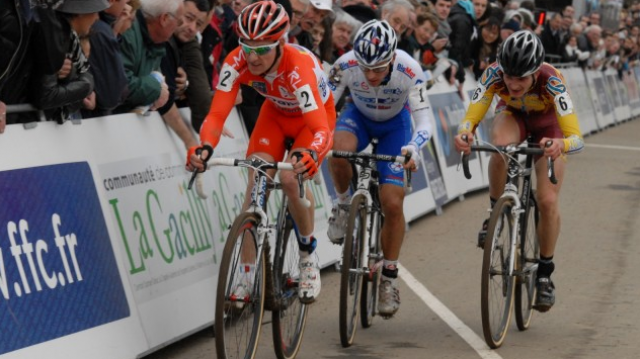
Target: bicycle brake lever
<point x="550" y="168"/>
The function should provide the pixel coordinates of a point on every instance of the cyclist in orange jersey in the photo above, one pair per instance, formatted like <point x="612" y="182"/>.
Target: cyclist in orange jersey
<point x="299" y="106"/>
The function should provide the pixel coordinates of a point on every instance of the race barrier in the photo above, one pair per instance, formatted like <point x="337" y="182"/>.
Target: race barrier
<point x="104" y="253"/>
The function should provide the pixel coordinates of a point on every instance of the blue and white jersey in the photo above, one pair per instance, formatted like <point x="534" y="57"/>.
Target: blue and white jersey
<point x="405" y="85"/>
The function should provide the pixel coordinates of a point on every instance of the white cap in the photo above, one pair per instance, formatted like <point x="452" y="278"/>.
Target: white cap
<point x="323" y="4"/>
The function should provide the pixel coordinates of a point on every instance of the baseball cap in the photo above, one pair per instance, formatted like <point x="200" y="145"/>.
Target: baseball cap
<point x="323" y="4"/>
<point x="83" y="6"/>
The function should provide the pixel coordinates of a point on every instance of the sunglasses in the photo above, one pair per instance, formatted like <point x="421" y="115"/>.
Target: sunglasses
<point x="259" y="50"/>
<point x="375" y="70"/>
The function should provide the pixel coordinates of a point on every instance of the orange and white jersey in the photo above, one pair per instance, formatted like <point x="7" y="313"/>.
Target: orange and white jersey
<point x="298" y="89"/>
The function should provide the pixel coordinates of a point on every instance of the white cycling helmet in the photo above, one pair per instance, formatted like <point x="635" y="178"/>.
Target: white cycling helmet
<point x="375" y="43"/>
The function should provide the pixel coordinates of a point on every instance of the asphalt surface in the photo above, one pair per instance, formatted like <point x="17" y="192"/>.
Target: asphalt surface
<point x="597" y="264"/>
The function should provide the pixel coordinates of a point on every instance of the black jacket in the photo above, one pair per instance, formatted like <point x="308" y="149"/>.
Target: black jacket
<point x="463" y="33"/>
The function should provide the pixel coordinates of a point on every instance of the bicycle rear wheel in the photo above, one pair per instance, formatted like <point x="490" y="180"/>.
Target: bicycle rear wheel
<point x="529" y="252"/>
<point x="369" y="298"/>
<point x="289" y="315"/>
<point x="497" y="286"/>
<point x="240" y="293"/>
<point x="350" y="279"/>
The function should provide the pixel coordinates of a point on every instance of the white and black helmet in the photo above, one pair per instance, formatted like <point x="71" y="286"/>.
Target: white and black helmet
<point x="375" y="43"/>
<point x="521" y="54"/>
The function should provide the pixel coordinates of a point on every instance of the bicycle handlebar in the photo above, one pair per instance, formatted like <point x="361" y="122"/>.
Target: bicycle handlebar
<point x="376" y="157"/>
<point x="251" y="162"/>
<point x="510" y="149"/>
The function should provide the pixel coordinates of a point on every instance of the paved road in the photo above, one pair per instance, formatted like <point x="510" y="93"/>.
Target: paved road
<point x="597" y="266"/>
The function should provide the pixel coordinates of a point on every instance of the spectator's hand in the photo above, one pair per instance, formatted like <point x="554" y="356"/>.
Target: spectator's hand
<point x="89" y="102"/>
<point x="164" y="97"/>
<point x="439" y="44"/>
<point x="65" y="70"/>
<point x="452" y="77"/>
<point x="461" y="144"/>
<point x="181" y="83"/>
<point x="3" y="116"/>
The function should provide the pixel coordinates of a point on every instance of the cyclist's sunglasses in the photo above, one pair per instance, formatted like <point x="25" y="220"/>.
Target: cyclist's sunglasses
<point x="377" y="69"/>
<point x="259" y="50"/>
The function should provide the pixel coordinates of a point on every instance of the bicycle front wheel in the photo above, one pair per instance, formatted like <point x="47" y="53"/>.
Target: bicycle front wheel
<point x="497" y="285"/>
<point x="240" y="294"/>
<point x="369" y="298"/>
<point x="529" y="252"/>
<point x="289" y="315"/>
<point x="351" y="279"/>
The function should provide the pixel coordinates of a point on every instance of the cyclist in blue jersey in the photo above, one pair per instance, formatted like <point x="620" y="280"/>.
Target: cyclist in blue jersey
<point x="387" y="87"/>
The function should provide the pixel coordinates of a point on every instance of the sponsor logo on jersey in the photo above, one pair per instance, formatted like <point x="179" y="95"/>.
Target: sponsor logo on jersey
<point x="490" y="76"/>
<point x="555" y="86"/>
<point x="285" y="93"/>
<point x="396" y="91"/>
<point x="294" y="77"/>
<point x="259" y="86"/>
<point x="264" y="141"/>
<point x="395" y="167"/>
<point x="349" y="64"/>
<point x="406" y="70"/>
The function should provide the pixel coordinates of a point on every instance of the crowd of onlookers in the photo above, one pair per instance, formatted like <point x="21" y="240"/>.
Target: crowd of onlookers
<point x="87" y="58"/>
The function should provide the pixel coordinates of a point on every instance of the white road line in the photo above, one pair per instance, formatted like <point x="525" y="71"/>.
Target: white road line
<point x="447" y="316"/>
<point x="612" y="147"/>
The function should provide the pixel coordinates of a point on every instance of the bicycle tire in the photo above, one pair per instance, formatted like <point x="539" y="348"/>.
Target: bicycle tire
<point x="351" y="282"/>
<point x="497" y="286"/>
<point x="529" y="249"/>
<point x="369" y="297"/>
<point x="238" y="323"/>
<point x="289" y="315"/>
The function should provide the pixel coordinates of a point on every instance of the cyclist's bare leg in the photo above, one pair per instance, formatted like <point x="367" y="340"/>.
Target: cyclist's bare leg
<point x="505" y="131"/>
<point x="547" y="196"/>
<point x="392" y="233"/>
<point x="302" y="216"/>
<point x="340" y="168"/>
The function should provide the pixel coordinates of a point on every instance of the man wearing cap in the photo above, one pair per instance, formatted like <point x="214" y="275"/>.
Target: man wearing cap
<point x="64" y="94"/>
<point x="318" y="10"/>
<point x="142" y="49"/>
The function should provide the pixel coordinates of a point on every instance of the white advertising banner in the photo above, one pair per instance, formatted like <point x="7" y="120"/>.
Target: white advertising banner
<point x="580" y="95"/>
<point x="601" y="101"/>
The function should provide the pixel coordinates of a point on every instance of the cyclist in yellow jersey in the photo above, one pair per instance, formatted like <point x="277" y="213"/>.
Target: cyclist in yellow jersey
<point x="534" y="100"/>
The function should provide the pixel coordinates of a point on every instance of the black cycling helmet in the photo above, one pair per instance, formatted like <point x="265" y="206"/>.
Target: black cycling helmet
<point x="521" y="54"/>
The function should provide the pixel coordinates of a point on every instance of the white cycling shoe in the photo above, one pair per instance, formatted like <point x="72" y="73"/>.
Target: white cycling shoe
<point x="309" y="284"/>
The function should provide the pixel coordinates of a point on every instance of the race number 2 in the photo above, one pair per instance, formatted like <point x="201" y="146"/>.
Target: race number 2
<point x="306" y="99"/>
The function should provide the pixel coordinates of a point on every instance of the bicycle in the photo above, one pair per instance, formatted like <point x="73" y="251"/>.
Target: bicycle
<point x="248" y="284"/>
<point x="511" y="248"/>
<point x="362" y="252"/>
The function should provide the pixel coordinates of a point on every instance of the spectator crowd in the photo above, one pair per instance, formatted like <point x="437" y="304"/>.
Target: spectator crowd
<point x="78" y="59"/>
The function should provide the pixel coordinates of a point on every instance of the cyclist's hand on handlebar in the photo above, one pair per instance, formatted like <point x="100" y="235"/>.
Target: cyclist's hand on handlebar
<point x="414" y="162"/>
<point x="463" y="145"/>
<point x="553" y="147"/>
<point x="197" y="157"/>
<point x="306" y="162"/>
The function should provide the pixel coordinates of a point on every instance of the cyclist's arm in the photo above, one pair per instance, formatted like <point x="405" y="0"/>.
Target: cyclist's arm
<point x="567" y="117"/>
<point x="221" y="105"/>
<point x="313" y="111"/>
<point x="338" y="78"/>
<point x="480" y="99"/>
<point x="420" y="110"/>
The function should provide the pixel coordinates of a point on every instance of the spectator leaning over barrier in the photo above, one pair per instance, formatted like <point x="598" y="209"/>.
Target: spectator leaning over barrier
<point x="32" y="45"/>
<point x="589" y="41"/>
<point x="550" y="36"/>
<point x="196" y="93"/>
<point x="344" y="29"/>
<point x="63" y="95"/>
<point x="143" y="47"/>
<point x="486" y="49"/>
<point x="398" y="14"/>
<point x="106" y="62"/>
<point x="463" y="34"/>
<point x="533" y="100"/>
